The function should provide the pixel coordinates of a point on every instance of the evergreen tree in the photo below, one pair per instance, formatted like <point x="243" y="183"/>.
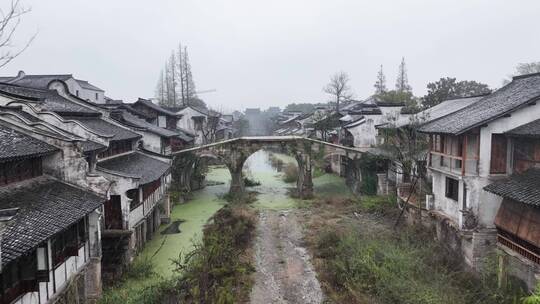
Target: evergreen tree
<point x="380" y="84"/>
<point x="402" y="82"/>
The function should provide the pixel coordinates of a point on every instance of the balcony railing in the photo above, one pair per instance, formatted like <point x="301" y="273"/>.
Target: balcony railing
<point x="455" y="164"/>
<point x="519" y="248"/>
<point x="150" y="202"/>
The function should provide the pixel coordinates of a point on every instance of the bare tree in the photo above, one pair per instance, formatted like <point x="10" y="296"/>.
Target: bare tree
<point x="523" y="69"/>
<point x="182" y="76"/>
<point x="210" y="126"/>
<point x="189" y="84"/>
<point x="339" y="88"/>
<point x="161" y="89"/>
<point x="172" y="63"/>
<point x="10" y="19"/>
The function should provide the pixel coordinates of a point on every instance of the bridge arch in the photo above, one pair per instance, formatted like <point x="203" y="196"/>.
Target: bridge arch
<point x="234" y="153"/>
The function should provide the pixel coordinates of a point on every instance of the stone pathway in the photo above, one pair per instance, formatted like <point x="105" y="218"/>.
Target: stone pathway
<point x="284" y="271"/>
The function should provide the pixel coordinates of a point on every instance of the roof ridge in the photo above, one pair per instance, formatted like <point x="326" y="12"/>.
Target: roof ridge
<point x="525" y="76"/>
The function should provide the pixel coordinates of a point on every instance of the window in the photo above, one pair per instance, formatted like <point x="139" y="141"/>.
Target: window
<point x="14" y="171"/>
<point x="526" y="154"/>
<point x="117" y="147"/>
<point x="96" y="96"/>
<point x="452" y="188"/>
<point x="77" y="93"/>
<point x="58" y="252"/>
<point x="498" y="154"/>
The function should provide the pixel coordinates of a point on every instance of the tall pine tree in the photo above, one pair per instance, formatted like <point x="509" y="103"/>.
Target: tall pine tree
<point x="380" y="84"/>
<point x="402" y="82"/>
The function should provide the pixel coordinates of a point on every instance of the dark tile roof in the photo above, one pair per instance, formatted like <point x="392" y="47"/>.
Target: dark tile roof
<point x="46" y="207"/>
<point x="16" y="145"/>
<point x="90" y="146"/>
<point x="531" y="129"/>
<point x="137" y="164"/>
<point x="444" y="108"/>
<point x="40" y="81"/>
<point x="521" y="91"/>
<point x="106" y="128"/>
<point x="523" y="188"/>
<point x="52" y="101"/>
<point x="19" y="111"/>
<point x="155" y="107"/>
<point x="86" y="85"/>
<point x="134" y="111"/>
<point x="127" y="118"/>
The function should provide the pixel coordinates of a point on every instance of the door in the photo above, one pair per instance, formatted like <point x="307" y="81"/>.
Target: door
<point x="113" y="213"/>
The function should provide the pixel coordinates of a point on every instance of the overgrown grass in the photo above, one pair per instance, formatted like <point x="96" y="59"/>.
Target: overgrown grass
<point x="362" y="260"/>
<point x="377" y="204"/>
<point x="534" y="298"/>
<point x="140" y="269"/>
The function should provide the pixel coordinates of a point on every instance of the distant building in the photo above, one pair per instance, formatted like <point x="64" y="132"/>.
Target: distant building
<point x="79" y="88"/>
<point x="256" y="121"/>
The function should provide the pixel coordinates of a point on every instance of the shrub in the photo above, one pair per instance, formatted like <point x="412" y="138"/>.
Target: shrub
<point x="290" y="173"/>
<point x="140" y="268"/>
<point x="408" y="267"/>
<point x="250" y="182"/>
<point x="215" y="272"/>
<point x="377" y="204"/>
<point x="534" y="298"/>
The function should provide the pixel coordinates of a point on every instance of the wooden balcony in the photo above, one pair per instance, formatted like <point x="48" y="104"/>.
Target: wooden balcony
<point x="524" y="249"/>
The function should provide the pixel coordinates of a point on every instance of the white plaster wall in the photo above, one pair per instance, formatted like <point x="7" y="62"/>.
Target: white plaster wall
<point x="186" y="122"/>
<point x="28" y="298"/>
<point x="119" y="187"/>
<point x="365" y="134"/>
<point x="151" y="142"/>
<point x="73" y="87"/>
<point x="390" y="110"/>
<point x="446" y="205"/>
<point x="162" y="121"/>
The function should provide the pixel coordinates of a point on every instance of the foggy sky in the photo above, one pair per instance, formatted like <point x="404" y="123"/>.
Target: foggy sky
<point x="264" y="53"/>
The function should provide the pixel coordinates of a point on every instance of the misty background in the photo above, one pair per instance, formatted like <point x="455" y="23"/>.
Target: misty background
<point x="272" y="53"/>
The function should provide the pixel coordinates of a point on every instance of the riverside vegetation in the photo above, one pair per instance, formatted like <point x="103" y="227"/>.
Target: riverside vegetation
<point x="361" y="259"/>
<point x="217" y="270"/>
<point x="358" y="256"/>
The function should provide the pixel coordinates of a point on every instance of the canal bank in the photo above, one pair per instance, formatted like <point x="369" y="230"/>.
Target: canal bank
<point x="272" y="200"/>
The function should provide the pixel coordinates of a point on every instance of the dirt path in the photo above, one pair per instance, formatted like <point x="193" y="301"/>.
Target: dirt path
<point x="284" y="272"/>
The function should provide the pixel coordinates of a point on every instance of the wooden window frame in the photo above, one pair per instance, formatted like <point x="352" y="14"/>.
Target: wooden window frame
<point x="499" y="154"/>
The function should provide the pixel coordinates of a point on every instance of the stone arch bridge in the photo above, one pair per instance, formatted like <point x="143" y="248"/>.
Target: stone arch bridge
<point x="234" y="152"/>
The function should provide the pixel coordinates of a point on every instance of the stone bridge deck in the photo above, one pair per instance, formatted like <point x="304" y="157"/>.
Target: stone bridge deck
<point x="274" y="139"/>
<point x="234" y="152"/>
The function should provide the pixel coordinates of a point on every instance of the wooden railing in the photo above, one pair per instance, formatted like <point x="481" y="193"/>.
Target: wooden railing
<point x="525" y="252"/>
<point x="453" y="163"/>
